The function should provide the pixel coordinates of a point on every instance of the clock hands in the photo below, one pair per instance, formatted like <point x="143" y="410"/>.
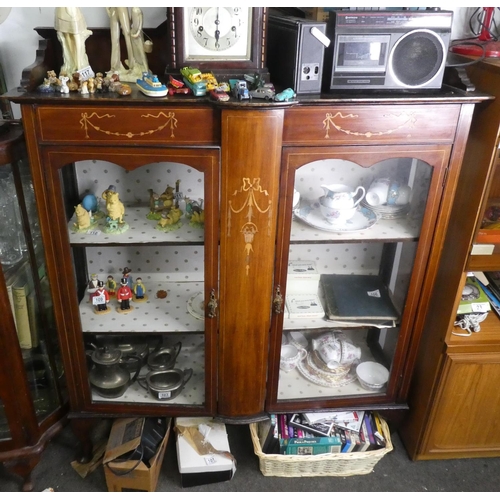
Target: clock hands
<point x="217" y="22"/>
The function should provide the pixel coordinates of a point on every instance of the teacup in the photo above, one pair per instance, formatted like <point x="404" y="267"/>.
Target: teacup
<point x="290" y="357"/>
<point x="378" y="192"/>
<point x="334" y="351"/>
<point x="336" y="216"/>
<point x="399" y="194"/>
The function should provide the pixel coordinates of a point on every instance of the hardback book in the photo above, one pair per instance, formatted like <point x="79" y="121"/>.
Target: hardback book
<point x="369" y="431"/>
<point x="304" y="306"/>
<point x="364" y="441"/>
<point x="20" y="294"/>
<point x="357" y="297"/>
<point x="474" y="299"/>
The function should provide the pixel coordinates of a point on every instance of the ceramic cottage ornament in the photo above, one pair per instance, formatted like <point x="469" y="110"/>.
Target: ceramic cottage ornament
<point x="115" y="210"/>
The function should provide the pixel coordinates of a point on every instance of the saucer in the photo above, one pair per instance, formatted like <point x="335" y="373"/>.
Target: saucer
<point x="388" y="211"/>
<point x="363" y="219"/>
<point x="307" y="369"/>
<point x="195" y="306"/>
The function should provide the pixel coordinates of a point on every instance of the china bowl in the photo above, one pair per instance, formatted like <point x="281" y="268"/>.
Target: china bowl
<point x="372" y="376"/>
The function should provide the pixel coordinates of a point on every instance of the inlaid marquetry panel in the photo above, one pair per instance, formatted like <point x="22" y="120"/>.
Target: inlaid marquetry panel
<point x="128" y="125"/>
<point x="370" y="124"/>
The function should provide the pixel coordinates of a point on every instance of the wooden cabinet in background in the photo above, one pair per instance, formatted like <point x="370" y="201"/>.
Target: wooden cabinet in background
<point x="454" y="403"/>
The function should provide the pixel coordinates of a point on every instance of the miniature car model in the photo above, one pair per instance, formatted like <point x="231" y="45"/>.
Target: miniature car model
<point x="192" y="75"/>
<point x="285" y="95"/>
<point x="218" y="95"/>
<point x="198" y="88"/>
<point x="151" y="86"/>
<point x="224" y="86"/>
<point x="174" y="82"/>
<point x="179" y="90"/>
<point x="240" y="90"/>
<point x="210" y="80"/>
<point x="263" y="93"/>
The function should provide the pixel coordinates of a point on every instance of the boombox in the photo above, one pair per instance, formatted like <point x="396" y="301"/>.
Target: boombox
<point x="295" y="52"/>
<point x="387" y="49"/>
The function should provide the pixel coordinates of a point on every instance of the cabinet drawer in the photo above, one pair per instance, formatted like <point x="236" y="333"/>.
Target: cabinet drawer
<point x="370" y="124"/>
<point x="141" y="125"/>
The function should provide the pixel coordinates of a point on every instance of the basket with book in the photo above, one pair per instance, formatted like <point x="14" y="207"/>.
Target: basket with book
<point x="321" y="444"/>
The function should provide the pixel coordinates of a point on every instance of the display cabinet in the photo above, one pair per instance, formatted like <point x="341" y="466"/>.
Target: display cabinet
<point x="245" y="164"/>
<point x="33" y="396"/>
<point x="453" y="400"/>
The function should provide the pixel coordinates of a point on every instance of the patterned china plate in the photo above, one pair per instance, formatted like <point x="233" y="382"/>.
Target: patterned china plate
<point x="195" y="306"/>
<point x="308" y="372"/>
<point x="311" y="215"/>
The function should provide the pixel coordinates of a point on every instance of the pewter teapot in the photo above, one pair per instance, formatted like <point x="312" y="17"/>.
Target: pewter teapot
<point x="109" y="376"/>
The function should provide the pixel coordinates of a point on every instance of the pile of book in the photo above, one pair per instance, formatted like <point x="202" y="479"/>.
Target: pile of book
<point x="325" y="432"/>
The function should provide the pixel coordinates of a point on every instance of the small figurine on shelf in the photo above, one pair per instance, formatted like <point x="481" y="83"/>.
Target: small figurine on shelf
<point x="170" y="220"/>
<point x="139" y="291"/>
<point x="195" y="212"/>
<point x="100" y="299"/>
<point x="93" y="282"/>
<point x="128" y="277"/>
<point x="64" y="84"/>
<point x="123" y="296"/>
<point x="83" y="220"/>
<point x="154" y="205"/>
<point x="111" y="285"/>
<point x="116" y="211"/>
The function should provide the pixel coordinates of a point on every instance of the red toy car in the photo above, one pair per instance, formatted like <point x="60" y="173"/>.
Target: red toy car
<point x="218" y="95"/>
<point x="178" y="90"/>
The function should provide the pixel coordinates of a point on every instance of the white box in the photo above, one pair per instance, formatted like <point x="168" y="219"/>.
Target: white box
<point x="302" y="277"/>
<point x="304" y="306"/>
<point x="198" y="469"/>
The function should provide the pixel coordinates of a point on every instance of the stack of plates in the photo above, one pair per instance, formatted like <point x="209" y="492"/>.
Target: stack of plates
<point x="310" y="369"/>
<point x="388" y="211"/>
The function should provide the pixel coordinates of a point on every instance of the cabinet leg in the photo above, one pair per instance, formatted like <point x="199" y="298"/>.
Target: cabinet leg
<point x="82" y="428"/>
<point x="24" y="469"/>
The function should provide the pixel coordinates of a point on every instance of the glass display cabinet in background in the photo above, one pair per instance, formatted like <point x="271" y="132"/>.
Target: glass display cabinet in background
<point x="33" y="399"/>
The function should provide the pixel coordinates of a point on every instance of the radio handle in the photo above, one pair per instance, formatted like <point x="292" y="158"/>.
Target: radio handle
<point x="316" y="33"/>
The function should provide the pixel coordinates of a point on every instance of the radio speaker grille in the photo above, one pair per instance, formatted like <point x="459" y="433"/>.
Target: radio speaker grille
<point x="417" y="58"/>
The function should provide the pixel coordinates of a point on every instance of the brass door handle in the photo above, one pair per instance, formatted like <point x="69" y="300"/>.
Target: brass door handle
<point x="278" y="301"/>
<point x="212" y="305"/>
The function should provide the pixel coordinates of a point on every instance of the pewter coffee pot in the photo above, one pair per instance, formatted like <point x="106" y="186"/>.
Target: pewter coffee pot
<point x="109" y="376"/>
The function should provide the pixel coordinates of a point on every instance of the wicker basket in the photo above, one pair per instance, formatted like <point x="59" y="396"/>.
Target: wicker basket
<point x="331" y="464"/>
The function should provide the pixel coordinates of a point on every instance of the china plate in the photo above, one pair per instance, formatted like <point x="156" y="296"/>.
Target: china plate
<point x="311" y="215"/>
<point x="195" y="306"/>
<point x="315" y="378"/>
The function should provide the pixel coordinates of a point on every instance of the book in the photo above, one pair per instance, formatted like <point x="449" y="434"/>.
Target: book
<point x="265" y="431"/>
<point x="357" y="297"/>
<point x="493" y="299"/>
<point x="304" y="306"/>
<point x="313" y="446"/>
<point x="379" y="435"/>
<point x="20" y="293"/>
<point x="474" y="299"/>
<point x="316" y="428"/>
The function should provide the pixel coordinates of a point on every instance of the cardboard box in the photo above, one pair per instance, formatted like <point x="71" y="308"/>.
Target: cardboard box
<point x="318" y="13"/>
<point x="302" y="277"/>
<point x="197" y="469"/>
<point x="126" y="436"/>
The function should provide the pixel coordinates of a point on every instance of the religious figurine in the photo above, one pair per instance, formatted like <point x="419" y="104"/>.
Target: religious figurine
<point x="123" y="295"/>
<point x="100" y="299"/>
<point x="139" y="291"/>
<point x="72" y="32"/>
<point x="111" y="285"/>
<point x="119" y="18"/>
<point x="115" y="210"/>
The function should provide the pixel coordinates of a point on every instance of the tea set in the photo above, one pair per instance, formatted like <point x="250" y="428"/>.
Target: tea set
<point x="346" y="208"/>
<point x="115" y="366"/>
<point x="330" y="360"/>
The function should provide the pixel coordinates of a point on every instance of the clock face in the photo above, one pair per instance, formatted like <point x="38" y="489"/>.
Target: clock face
<point x="217" y="33"/>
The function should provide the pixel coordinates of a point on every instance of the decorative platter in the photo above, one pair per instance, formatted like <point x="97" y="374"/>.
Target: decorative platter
<point x="312" y="216"/>
<point x="196" y="306"/>
<point x="309" y="371"/>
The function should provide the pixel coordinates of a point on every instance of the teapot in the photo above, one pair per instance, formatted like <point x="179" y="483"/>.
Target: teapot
<point x="341" y="196"/>
<point x="163" y="358"/>
<point x="109" y="376"/>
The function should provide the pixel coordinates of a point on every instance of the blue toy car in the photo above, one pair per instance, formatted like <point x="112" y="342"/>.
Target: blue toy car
<point x="286" y="95"/>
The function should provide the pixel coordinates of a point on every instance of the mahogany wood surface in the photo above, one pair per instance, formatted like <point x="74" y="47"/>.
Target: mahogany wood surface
<point x="430" y="376"/>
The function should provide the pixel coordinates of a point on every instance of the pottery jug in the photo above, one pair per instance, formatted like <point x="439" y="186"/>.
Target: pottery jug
<point x="109" y="377"/>
<point x="341" y="196"/>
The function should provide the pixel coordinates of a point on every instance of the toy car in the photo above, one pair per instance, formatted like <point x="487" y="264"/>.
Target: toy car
<point x="174" y="82"/>
<point x="286" y="95"/>
<point x="198" y="88"/>
<point x="240" y="89"/>
<point x="192" y="75"/>
<point x="263" y="93"/>
<point x="218" y="95"/>
<point x="179" y="90"/>
<point x="210" y="80"/>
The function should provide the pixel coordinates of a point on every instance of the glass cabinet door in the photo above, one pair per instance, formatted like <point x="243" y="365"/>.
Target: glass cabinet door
<point x="27" y="285"/>
<point x="355" y="237"/>
<point x="143" y="250"/>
